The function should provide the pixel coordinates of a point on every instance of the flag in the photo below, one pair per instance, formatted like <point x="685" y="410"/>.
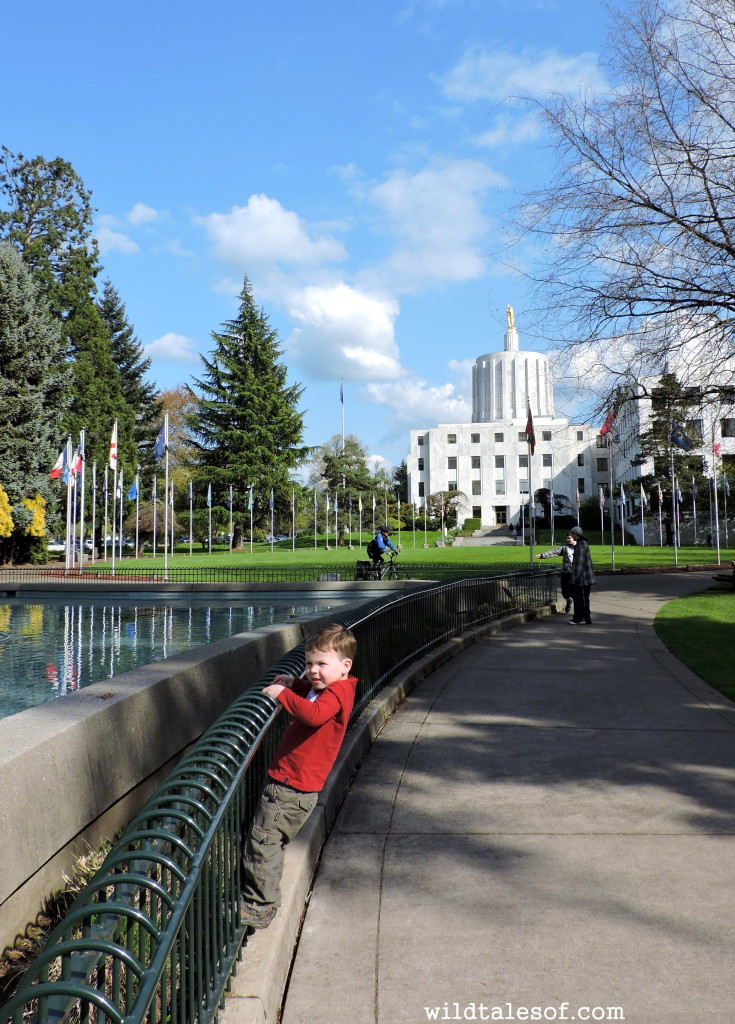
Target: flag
<point x="133" y="492"/>
<point x="113" y="447"/>
<point x="359" y="504"/>
<point x="59" y="465"/>
<point x="161" y="442"/>
<point x="678" y="492"/>
<point x="694" y="488"/>
<point x="209" y="495"/>
<point x="578" y="502"/>
<point x="342" y="392"/>
<point x="725" y="487"/>
<point x="229" y="498"/>
<point x="76" y="462"/>
<point x="608" y="425"/>
<point x="270" y="503"/>
<point x="530" y="435"/>
<point x="660" y="495"/>
<point x="250" y="498"/>
<point x="623" y="499"/>
<point x="644" y="499"/>
<point x="602" y="497"/>
<point x="716" y="447"/>
<point x="679" y="437"/>
<point x="191" y="492"/>
<point x="154" y="489"/>
<point x="373" y="503"/>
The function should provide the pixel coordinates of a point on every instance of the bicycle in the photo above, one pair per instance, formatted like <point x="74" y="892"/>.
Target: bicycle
<point x="380" y="571"/>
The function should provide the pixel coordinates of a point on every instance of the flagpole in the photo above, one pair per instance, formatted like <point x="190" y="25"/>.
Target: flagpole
<point x="622" y="515"/>
<point x="172" y="531"/>
<point x="107" y="497"/>
<point x="717" y="510"/>
<point x="250" y="502"/>
<point x="271" y="504"/>
<point x="230" y="518"/>
<point x="673" y="504"/>
<point x="137" y="511"/>
<point x="612" y="499"/>
<point x="725" y="492"/>
<point x="75" y="491"/>
<point x="293" y="519"/>
<point x="191" y="517"/>
<point x="209" y="506"/>
<point x="551" y="504"/>
<point x="122" y="498"/>
<point x="315" y="519"/>
<point x="113" y="467"/>
<point x="643" y="519"/>
<point x="155" y="511"/>
<point x="530" y="441"/>
<point x="694" y="510"/>
<point x="69" y="529"/>
<point x="94" y="509"/>
<point x="165" y="514"/>
<point x="660" y="524"/>
<point x="81" y="508"/>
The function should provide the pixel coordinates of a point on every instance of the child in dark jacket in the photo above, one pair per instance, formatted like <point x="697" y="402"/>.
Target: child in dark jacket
<point x="320" y="704"/>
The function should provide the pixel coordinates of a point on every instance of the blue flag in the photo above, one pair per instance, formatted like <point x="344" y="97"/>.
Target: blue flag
<point x="679" y="437"/>
<point x="133" y="492"/>
<point x="160" y="445"/>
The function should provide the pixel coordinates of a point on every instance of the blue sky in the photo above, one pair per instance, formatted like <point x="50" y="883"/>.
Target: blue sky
<point x="357" y="161"/>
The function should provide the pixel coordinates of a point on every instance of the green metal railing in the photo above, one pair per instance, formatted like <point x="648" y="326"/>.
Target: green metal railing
<point x="155" y="936"/>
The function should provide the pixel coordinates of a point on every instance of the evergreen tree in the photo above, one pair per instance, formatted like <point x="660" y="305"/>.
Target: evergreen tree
<point x="49" y="220"/>
<point x="132" y="367"/>
<point x="33" y="383"/>
<point x="342" y="468"/>
<point x="247" y="429"/>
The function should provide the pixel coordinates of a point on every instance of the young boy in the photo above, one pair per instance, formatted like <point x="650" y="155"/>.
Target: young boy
<point x="320" y="704"/>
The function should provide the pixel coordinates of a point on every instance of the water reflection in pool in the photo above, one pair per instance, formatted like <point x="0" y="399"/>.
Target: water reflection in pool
<point x="56" y="645"/>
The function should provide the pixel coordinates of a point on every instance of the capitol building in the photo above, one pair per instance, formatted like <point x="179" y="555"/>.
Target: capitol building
<point x="488" y="459"/>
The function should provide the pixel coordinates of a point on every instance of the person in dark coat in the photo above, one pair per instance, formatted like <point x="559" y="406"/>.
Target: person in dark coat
<point x="583" y="577"/>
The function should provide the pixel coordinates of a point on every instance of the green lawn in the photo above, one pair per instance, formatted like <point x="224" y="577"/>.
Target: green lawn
<point x="306" y="553"/>
<point x="700" y="630"/>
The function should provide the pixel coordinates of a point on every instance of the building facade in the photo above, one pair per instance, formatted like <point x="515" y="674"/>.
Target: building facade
<point x="488" y="459"/>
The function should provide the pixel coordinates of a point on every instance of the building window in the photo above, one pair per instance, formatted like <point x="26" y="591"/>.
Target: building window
<point x="420" y="439"/>
<point x="601" y="441"/>
<point x="452" y="462"/>
<point x="477" y="511"/>
<point x="476" y="487"/>
<point x="547" y="460"/>
<point x="545" y="435"/>
<point x="602" y="465"/>
<point x="475" y="461"/>
<point x="580" y="435"/>
<point x="500" y="486"/>
<point x="421" y="465"/>
<point x="523" y="462"/>
<point x="728" y="428"/>
<point x="521" y="435"/>
<point x="451" y="438"/>
<point x="499" y="438"/>
<point x="523" y="486"/>
<point x="452" y="485"/>
<point x="580" y="484"/>
<point x="500" y="462"/>
<point x="475" y="438"/>
<point x="421" y="489"/>
<point x="580" y="460"/>
<point x="694" y="429"/>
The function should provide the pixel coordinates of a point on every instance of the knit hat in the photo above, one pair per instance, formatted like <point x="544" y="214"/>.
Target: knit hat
<point x="577" y="531"/>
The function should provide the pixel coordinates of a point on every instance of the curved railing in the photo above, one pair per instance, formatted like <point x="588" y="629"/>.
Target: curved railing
<point x="155" y="935"/>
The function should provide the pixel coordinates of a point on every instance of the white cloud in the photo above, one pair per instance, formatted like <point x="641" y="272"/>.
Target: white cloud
<point x="176" y="348"/>
<point x="109" y="239"/>
<point x="414" y="403"/>
<point x="142" y="214"/>
<point x="343" y="332"/>
<point x="482" y="74"/>
<point x="265" y="232"/>
<point x="435" y="216"/>
<point x="509" y="131"/>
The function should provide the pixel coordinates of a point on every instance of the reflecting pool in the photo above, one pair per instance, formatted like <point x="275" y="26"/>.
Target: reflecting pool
<point x="54" y="645"/>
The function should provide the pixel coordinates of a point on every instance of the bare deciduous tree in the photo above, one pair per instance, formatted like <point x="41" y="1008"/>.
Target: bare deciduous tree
<point x="640" y="220"/>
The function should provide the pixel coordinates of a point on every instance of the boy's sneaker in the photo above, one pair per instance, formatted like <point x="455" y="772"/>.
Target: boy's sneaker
<point x="255" y="915"/>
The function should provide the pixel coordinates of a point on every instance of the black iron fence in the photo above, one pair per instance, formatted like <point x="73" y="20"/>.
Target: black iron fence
<point x="101" y="574"/>
<point x="155" y="935"/>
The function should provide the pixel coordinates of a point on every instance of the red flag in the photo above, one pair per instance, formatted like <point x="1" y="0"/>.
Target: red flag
<point x="113" y="447"/>
<point x="608" y="424"/>
<point x="530" y="436"/>
<point x="58" y="465"/>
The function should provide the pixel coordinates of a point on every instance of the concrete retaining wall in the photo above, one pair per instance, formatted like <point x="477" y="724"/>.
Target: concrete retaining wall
<point x="75" y="770"/>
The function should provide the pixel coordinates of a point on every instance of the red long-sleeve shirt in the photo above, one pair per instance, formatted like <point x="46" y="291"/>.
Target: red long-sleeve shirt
<point x="310" y="744"/>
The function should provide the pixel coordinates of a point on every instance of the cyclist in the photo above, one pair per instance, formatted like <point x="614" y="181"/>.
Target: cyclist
<point x="378" y="547"/>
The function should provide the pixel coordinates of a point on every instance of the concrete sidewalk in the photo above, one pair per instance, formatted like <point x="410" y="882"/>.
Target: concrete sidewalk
<point x="549" y="818"/>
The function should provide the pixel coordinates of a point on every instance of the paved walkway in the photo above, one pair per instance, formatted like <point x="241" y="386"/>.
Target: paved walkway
<point x="547" y="822"/>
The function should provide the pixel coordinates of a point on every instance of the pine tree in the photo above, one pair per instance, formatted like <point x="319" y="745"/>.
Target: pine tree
<point x="247" y="429"/>
<point x="132" y="367"/>
<point x="33" y="383"/>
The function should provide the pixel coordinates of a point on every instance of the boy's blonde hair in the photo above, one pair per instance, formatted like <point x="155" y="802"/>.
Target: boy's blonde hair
<point x="333" y="638"/>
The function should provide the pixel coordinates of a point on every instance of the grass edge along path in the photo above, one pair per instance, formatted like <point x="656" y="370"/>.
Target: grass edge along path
<point x="699" y="629"/>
